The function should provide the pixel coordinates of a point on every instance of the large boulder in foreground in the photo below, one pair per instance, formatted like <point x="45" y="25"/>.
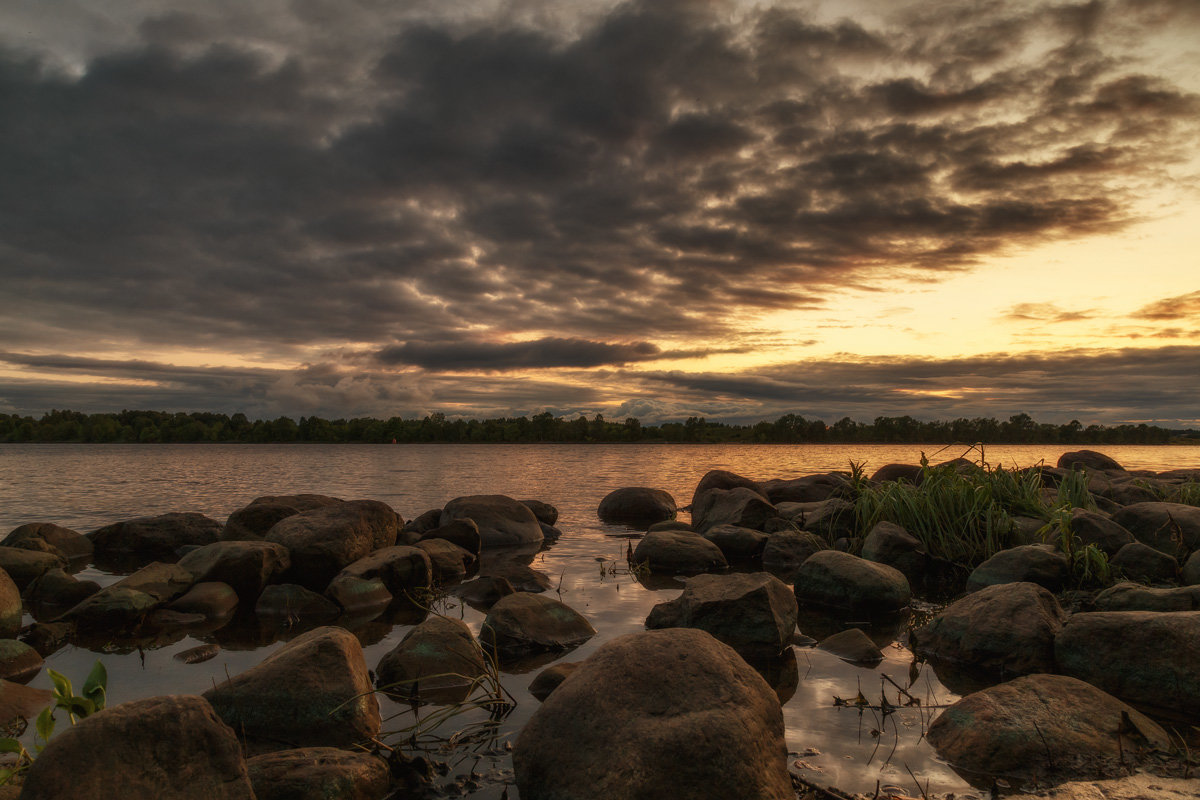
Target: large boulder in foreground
<point x="1048" y="727"/>
<point x="318" y="773"/>
<point x="247" y="566"/>
<point x="312" y="691"/>
<point x="1007" y="629"/>
<point x="670" y="713"/>
<point x="1143" y="657"/>
<point x="502" y="521"/>
<point x="1028" y="563"/>
<point x="325" y="540"/>
<point x="676" y="552"/>
<point x="752" y="613"/>
<point x="154" y="538"/>
<point x="436" y="661"/>
<point x="637" y="505"/>
<point x="833" y="579"/>
<point x="1170" y="527"/>
<point x="173" y="746"/>
<point x="522" y="623"/>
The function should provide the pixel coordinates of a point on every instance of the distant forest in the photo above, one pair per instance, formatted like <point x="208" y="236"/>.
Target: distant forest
<point x="160" y="426"/>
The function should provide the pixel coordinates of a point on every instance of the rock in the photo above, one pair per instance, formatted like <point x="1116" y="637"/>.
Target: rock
<point x="63" y="542"/>
<point x="290" y="601"/>
<point x="437" y="661"/>
<point x="359" y="596"/>
<point x="247" y="566"/>
<point x="1029" y="563"/>
<point x="425" y="522"/>
<point x="318" y="773"/>
<point x="549" y="532"/>
<point x="462" y="532"/>
<point x="406" y="572"/>
<point x="11" y="609"/>
<point x="154" y="538"/>
<point x="832" y="520"/>
<point x="483" y="592"/>
<point x="1134" y="597"/>
<point x="803" y="490"/>
<point x="888" y="543"/>
<point x="1190" y="574"/>
<point x="833" y="579"/>
<point x="326" y="540"/>
<point x="671" y="525"/>
<point x="502" y="521"/>
<point x="752" y="613"/>
<point x="909" y="473"/>
<point x="674" y="552"/>
<point x="670" y="713"/>
<point x="18" y="661"/>
<point x="854" y="646"/>
<point x="312" y="691"/>
<point x="524" y="623"/>
<point x="21" y="701"/>
<point x="1088" y="459"/>
<point x="1141" y="786"/>
<point x="212" y="599"/>
<point x="253" y="521"/>
<point x="122" y="606"/>
<point x="1142" y="563"/>
<point x="785" y="551"/>
<point x="743" y="507"/>
<point x="724" y="480"/>
<point x="24" y="566"/>
<point x="1006" y="629"/>
<point x="521" y="577"/>
<point x="1044" y="727"/>
<point x="1097" y="529"/>
<point x="163" y="582"/>
<point x="448" y="560"/>
<point x="1027" y="530"/>
<point x="549" y="679"/>
<point x="1143" y="657"/>
<point x="1170" y="527"/>
<point x="1127" y="494"/>
<point x="173" y="746"/>
<point x="737" y="543"/>
<point x="637" y="505"/>
<point x="545" y="513"/>
<point x="56" y="592"/>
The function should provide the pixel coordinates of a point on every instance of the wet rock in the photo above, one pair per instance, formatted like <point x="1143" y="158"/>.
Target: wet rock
<point x="56" y="592"/>
<point x="807" y="489"/>
<point x="909" y="473"/>
<point x="63" y="542"/>
<point x="502" y="521"/>
<point x="724" y="480"/>
<point x="22" y="701"/>
<point x="549" y="532"/>
<point x="312" y="691"/>
<point x="1142" y="563"/>
<point x="524" y="623"/>
<point x="1190" y="574"/>
<point x="832" y="520"/>
<point x="24" y="566"/>
<point x="154" y="538"/>
<point x="18" y="661"/>
<point x="211" y="599"/>
<point x="1098" y="529"/>
<point x="742" y="507"/>
<point x="888" y="543"/>
<point x="163" y="582"/>
<point x="549" y="679"/>
<point x="521" y="577"/>
<point x="406" y="572"/>
<point x="448" y="560"/>
<point x="545" y="513"/>
<point x="436" y="661"/>
<point x="785" y="551"/>
<point x="854" y="646"/>
<point x="48" y="637"/>
<point x="674" y="552"/>
<point x="1044" y="727"/>
<point x="671" y="525"/>
<point x="254" y="520"/>
<point x="1088" y="459"/>
<point x="737" y="543"/>
<point x="359" y="596"/>
<point x="1143" y="657"/>
<point x="1134" y="597"/>
<point x="247" y="566"/>
<point x="1007" y="629"/>
<point x="173" y="746"/>
<point x="646" y="697"/>
<point x="1129" y="493"/>
<point x="424" y="522"/>
<point x="483" y="592"/>
<point x="1169" y="527"/>
<point x="318" y="773"/>
<point x="834" y="579"/>
<point x="752" y="613"/>
<point x="290" y="601"/>
<point x="11" y="608"/>
<point x="1030" y="563"/>
<point x="123" y="605"/>
<point x="462" y="532"/>
<point x="326" y="540"/>
<point x="637" y="505"/>
<point x="198" y="654"/>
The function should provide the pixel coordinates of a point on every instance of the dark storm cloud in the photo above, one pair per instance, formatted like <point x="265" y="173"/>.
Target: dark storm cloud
<point x="536" y="354"/>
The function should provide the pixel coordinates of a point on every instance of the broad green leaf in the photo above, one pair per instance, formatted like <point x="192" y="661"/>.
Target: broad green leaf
<point x="78" y="706"/>
<point x="94" y="688"/>
<point x="45" y="723"/>
<point x="10" y="746"/>
<point x="62" y="686"/>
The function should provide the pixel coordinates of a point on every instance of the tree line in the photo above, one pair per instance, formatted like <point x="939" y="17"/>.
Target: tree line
<point x="161" y="426"/>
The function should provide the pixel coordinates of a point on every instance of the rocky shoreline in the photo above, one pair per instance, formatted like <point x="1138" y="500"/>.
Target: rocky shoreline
<point x="1072" y="629"/>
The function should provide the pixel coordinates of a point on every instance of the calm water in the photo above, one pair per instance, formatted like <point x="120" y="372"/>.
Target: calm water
<point x="86" y="486"/>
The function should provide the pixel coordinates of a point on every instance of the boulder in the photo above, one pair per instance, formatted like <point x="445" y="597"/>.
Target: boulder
<point x="1135" y="597"/>
<point x="172" y="746"/>
<point x="312" y="691"/>
<point x="1098" y="529"/>
<point x="854" y="646"/>
<point x="212" y="599"/>
<point x="462" y="532"/>
<point x="803" y="490"/>
<point x="254" y="520"/>
<point x="637" y="505"/>
<point x="785" y="551"/>
<point x="22" y="701"/>
<point x="1029" y="563"/>
<point x="833" y="579"/>
<point x="670" y="713"/>
<point x="674" y="552"/>
<point x="56" y="592"/>
<point x="671" y="525"/>
<point x="545" y="513"/>
<point x="743" y="507"/>
<point x="437" y="661"/>
<point x="1045" y="728"/>
<point x="1006" y="629"/>
<point x="1128" y="493"/>
<point x="910" y="473"/>
<point x="549" y="532"/>
<point x="521" y="577"/>
<point x="832" y="519"/>
<point x="737" y="543"/>
<point x="888" y="543"/>
<point x="724" y="480"/>
<point x="523" y="623"/>
<point x="501" y="520"/>
<point x="1170" y="527"/>
<point x="549" y="679"/>
<point x="122" y="606"/>
<point x="318" y="773"/>
<point x="18" y="661"/>
<point x="752" y="613"/>
<point x="61" y="541"/>
<point x="1088" y="459"/>
<point x="1143" y="657"/>
<point x="406" y="572"/>
<point x="1190" y="574"/>
<point x="424" y="522"/>
<point x="289" y="601"/>
<point x="24" y="566"/>
<point x="154" y="538"/>
<point x="247" y="566"/>
<point x="326" y="540"/>
<point x="483" y="592"/>
<point x="1142" y="563"/>
<point x="11" y="608"/>
<point x="448" y="561"/>
<point x="359" y="596"/>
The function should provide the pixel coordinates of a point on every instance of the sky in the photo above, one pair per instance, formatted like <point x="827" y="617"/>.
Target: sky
<point x="657" y="208"/>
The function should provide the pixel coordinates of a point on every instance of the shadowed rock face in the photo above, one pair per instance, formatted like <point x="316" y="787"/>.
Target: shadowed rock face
<point x="1170" y="527"/>
<point x="752" y="613"/>
<point x="637" y="505"/>
<point x="62" y="541"/>
<point x="522" y="623"/>
<point x="833" y="579"/>
<point x="151" y="538"/>
<point x="318" y="773"/>
<point x="671" y="713"/>
<point x="254" y="520"/>
<point x="436" y="661"/>
<point x="740" y="506"/>
<point x="1088" y="459"/>
<point x="675" y="552"/>
<point x="325" y="540"/>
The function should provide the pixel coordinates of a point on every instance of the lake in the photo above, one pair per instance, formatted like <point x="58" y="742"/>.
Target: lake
<point x="87" y="486"/>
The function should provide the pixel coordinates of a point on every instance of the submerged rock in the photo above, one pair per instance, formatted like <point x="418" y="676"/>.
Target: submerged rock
<point x="318" y="773"/>
<point x="524" y="623"/>
<point x="749" y="612"/>
<point x="637" y="505"/>
<point x="854" y="646"/>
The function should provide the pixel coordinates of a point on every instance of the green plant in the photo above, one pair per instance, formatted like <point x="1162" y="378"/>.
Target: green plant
<point x="1073" y="491"/>
<point x="1088" y="564"/>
